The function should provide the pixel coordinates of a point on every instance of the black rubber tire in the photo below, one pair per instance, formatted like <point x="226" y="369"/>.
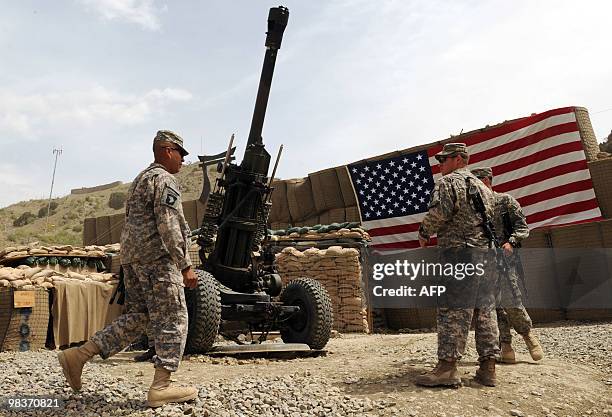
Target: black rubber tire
<point x="313" y="324"/>
<point x="204" y="308"/>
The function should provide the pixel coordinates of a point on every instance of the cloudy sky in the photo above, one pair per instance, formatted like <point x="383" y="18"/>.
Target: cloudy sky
<point x="354" y="78"/>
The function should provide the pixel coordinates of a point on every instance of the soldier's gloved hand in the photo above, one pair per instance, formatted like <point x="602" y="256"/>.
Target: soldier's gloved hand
<point x="423" y="242"/>
<point x="508" y="249"/>
<point x="189" y="278"/>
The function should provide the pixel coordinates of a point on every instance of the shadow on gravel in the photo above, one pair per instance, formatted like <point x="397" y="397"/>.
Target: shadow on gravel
<point x="403" y="381"/>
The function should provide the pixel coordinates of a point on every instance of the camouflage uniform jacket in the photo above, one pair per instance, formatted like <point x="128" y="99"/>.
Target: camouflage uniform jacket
<point x="507" y="206"/>
<point x="452" y="215"/>
<point x="154" y="222"/>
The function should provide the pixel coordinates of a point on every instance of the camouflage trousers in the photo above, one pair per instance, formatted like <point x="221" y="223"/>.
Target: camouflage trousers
<point x="155" y="300"/>
<point x="510" y="310"/>
<point x="512" y="317"/>
<point x="453" y="329"/>
<point x="468" y="298"/>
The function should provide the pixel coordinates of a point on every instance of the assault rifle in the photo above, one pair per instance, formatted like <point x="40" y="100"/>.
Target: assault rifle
<point x="488" y="226"/>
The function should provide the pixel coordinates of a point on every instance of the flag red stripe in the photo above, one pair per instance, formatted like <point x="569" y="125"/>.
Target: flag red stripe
<point x="392" y="230"/>
<point x="542" y="175"/>
<point x="537" y="157"/>
<point x="504" y="129"/>
<point x="555" y="192"/>
<point x="561" y="210"/>
<point x="523" y="143"/>
<point x="411" y="244"/>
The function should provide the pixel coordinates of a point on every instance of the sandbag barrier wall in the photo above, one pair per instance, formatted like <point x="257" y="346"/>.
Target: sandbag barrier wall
<point x="541" y="277"/>
<point x="339" y="271"/>
<point x="105" y="230"/>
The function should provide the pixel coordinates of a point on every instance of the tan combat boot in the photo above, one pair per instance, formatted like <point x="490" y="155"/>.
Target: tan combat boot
<point x="534" y="346"/>
<point x="507" y="353"/>
<point x="444" y="374"/>
<point x="161" y="392"/>
<point x="73" y="360"/>
<point x="485" y="374"/>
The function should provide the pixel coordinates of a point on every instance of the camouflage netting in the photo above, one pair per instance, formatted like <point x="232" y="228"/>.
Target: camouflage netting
<point x="339" y="271"/>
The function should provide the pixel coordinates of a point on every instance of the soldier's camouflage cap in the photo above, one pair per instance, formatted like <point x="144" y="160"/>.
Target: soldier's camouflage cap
<point x="482" y="172"/>
<point x="170" y="136"/>
<point x="452" y="149"/>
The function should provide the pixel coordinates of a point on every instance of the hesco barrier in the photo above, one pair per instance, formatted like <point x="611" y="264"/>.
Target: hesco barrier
<point x="589" y="235"/>
<point x="25" y="328"/>
<point x="601" y="174"/>
<point x="107" y="229"/>
<point x="589" y="141"/>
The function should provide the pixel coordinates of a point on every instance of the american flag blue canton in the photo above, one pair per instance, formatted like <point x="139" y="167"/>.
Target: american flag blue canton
<point x="394" y="187"/>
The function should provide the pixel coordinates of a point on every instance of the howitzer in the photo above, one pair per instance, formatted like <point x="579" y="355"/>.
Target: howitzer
<point x="239" y="280"/>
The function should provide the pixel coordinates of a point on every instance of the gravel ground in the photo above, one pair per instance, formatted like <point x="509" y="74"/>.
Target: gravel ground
<point x="361" y="375"/>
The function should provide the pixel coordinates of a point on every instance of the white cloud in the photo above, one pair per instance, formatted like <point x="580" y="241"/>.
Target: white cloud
<point x="141" y="12"/>
<point x="26" y="116"/>
<point x="15" y="185"/>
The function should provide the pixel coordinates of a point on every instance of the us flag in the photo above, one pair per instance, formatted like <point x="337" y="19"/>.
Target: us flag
<point x="538" y="159"/>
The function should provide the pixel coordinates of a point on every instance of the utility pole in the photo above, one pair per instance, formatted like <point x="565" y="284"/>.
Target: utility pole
<point x="57" y="153"/>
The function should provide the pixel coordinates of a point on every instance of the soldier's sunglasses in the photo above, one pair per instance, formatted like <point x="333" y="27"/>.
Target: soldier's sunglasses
<point x="170" y="147"/>
<point x="443" y="158"/>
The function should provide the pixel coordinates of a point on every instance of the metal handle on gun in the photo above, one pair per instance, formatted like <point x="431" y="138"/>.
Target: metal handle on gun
<point x="280" y="151"/>
<point x="226" y="160"/>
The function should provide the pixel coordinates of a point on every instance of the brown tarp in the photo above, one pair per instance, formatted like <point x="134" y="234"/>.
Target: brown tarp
<point x="300" y="199"/>
<point x="80" y="309"/>
<point x="116" y="226"/>
<point x="280" y="206"/>
<point x="352" y="214"/>
<point x="348" y="193"/>
<point x="191" y="215"/>
<point x="103" y="236"/>
<point x="200" y="209"/>
<point x="326" y="190"/>
<point x="577" y="236"/>
<point x="89" y="231"/>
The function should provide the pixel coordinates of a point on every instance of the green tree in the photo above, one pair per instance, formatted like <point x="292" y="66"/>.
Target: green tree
<point x="117" y="200"/>
<point x="24" y="219"/>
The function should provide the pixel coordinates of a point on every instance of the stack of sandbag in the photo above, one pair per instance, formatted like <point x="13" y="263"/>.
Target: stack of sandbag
<point x="24" y="277"/>
<point x="66" y="256"/>
<point x="339" y="271"/>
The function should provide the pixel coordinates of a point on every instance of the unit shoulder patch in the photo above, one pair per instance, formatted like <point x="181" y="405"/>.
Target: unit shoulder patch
<point x="170" y="197"/>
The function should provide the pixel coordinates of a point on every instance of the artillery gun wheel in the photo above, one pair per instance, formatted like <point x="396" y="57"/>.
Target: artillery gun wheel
<point x="204" y="308"/>
<point x="313" y="324"/>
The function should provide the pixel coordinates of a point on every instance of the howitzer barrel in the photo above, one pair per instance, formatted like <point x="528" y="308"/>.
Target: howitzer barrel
<point x="277" y="21"/>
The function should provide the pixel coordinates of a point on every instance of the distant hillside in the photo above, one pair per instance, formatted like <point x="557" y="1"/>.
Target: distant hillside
<point x="66" y="220"/>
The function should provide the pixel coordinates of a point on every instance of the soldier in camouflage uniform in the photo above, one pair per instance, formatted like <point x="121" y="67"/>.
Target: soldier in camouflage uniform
<point x="511" y="228"/>
<point x="453" y="217"/>
<point x="155" y="258"/>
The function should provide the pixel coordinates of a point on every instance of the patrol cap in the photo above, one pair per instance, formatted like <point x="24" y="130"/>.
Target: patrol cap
<point x="452" y="149"/>
<point x="169" y="136"/>
<point x="482" y="172"/>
